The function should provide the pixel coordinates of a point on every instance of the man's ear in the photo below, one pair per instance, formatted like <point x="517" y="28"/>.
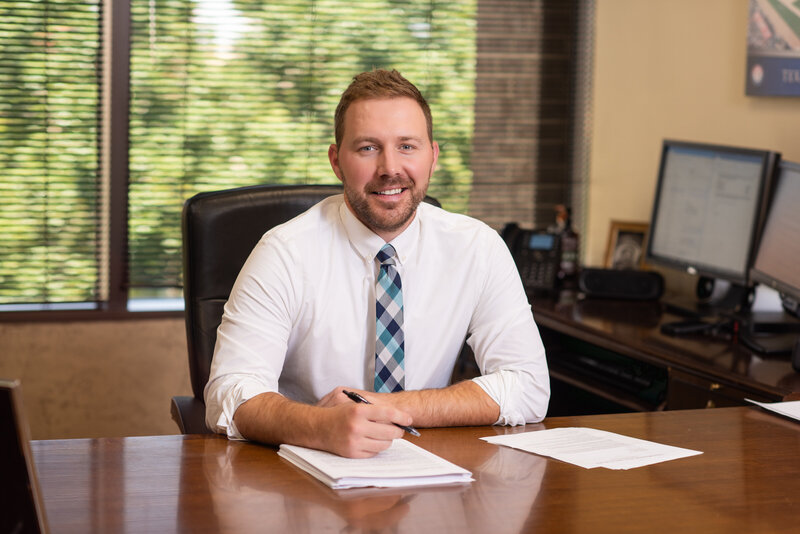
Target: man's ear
<point x="333" y="157"/>
<point x="435" y="156"/>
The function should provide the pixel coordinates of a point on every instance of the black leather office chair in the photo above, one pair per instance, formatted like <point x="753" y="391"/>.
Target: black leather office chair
<point x="220" y="228"/>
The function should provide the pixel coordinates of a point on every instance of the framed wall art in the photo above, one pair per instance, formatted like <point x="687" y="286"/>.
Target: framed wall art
<point x="773" y="48"/>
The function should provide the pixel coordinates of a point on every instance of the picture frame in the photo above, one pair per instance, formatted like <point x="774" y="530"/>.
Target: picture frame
<point x="773" y="52"/>
<point x="627" y="244"/>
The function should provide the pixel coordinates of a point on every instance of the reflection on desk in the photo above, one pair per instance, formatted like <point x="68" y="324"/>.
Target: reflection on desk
<point x="233" y="484"/>
<point x="748" y="479"/>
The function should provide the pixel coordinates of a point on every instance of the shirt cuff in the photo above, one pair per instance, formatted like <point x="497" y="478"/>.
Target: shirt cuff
<point x="220" y="415"/>
<point x="505" y="388"/>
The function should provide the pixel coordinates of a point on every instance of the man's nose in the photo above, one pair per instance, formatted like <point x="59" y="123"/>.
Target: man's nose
<point x="388" y="164"/>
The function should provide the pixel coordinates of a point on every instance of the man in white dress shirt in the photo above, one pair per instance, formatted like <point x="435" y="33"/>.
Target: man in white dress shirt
<point x="299" y="327"/>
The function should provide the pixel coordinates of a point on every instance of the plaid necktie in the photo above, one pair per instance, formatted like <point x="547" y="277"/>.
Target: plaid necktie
<point x="390" y="342"/>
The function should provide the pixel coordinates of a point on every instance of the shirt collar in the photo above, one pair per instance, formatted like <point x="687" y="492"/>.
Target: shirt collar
<point x="367" y="243"/>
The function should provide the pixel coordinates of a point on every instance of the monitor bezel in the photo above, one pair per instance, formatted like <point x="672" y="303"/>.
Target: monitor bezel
<point x="781" y="286"/>
<point x="769" y="163"/>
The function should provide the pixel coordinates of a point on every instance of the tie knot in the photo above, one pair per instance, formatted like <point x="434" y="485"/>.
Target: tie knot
<point x="386" y="255"/>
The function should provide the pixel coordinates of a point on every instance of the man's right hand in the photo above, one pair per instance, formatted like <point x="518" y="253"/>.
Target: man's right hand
<point x="344" y="428"/>
<point x="362" y="430"/>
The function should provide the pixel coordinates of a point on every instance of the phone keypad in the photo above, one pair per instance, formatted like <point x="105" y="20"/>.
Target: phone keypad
<point x="536" y="270"/>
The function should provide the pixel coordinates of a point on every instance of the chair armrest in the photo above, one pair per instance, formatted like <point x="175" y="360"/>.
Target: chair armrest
<point x="189" y="413"/>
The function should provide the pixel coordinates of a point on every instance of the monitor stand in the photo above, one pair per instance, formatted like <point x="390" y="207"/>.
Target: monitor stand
<point x="769" y="333"/>
<point x="772" y="344"/>
<point x="735" y="298"/>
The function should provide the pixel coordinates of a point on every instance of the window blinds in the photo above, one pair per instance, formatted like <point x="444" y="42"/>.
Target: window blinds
<point x="227" y="94"/>
<point x="49" y="144"/>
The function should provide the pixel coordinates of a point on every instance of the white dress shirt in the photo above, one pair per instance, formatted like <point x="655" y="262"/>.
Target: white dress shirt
<point x="300" y="319"/>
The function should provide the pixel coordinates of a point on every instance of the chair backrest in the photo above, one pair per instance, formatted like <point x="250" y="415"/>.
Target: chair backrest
<point x="220" y="229"/>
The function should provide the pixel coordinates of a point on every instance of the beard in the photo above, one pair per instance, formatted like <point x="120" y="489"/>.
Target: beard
<point x="383" y="220"/>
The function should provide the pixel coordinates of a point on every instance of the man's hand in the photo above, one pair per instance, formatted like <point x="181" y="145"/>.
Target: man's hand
<point x="335" y="424"/>
<point x="362" y="430"/>
<point x="355" y="430"/>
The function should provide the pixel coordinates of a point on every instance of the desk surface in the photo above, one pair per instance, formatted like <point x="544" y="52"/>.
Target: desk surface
<point x="747" y="480"/>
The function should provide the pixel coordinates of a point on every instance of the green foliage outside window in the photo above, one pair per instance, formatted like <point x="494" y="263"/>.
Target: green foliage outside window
<point x="224" y="93"/>
<point x="227" y="94"/>
<point x="49" y="129"/>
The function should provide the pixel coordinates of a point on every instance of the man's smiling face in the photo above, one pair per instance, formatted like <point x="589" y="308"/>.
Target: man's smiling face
<point x="385" y="161"/>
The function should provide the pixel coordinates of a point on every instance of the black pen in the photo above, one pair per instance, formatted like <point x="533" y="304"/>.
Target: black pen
<point x="355" y="397"/>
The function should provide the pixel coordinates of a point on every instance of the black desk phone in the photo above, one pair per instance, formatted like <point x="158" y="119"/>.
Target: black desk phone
<point x="537" y="254"/>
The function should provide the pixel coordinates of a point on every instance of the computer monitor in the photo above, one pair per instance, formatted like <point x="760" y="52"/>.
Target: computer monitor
<point x="777" y="261"/>
<point x="709" y="207"/>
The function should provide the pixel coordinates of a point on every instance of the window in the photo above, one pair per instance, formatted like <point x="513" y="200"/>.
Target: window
<point x="227" y="93"/>
<point x="50" y="69"/>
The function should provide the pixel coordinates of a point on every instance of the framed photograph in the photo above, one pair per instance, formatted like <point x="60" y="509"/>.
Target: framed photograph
<point x="627" y="243"/>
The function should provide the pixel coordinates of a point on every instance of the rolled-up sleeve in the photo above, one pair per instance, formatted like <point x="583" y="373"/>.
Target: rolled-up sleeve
<point x="507" y="345"/>
<point x="252" y="338"/>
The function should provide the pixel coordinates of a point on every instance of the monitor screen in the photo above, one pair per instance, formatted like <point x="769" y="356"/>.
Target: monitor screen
<point x="777" y="263"/>
<point x="709" y="207"/>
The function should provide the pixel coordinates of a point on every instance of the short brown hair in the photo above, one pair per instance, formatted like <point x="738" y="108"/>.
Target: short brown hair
<point x="379" y="84"/>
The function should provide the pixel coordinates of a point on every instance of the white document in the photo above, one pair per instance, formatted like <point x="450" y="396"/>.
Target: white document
<point x="588" y="447"/>
<point x="788" y="408"/>
<point x="403" y="464"/>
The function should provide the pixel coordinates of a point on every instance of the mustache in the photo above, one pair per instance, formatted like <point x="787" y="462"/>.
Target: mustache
<point x="389" y="183"/>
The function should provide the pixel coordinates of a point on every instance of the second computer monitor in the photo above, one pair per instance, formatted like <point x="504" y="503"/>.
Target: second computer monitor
<point x="777" y="263"/>
<point x="776" y="266"/>
<point x="709" y="206"/>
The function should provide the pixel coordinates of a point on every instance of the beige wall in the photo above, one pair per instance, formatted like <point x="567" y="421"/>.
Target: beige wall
<point x="97" y="379"/>
<point x="669" y="69"/>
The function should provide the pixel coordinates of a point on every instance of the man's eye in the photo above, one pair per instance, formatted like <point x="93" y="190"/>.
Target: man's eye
<point x="406" y="147"/>
<point x="368" y="148"/>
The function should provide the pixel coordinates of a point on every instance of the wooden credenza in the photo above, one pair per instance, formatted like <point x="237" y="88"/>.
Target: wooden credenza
<point x="608" y="355"/>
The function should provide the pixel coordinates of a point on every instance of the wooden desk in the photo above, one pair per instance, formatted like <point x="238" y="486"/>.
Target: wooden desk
<point x="697" y="371"/>
<point x="747" y="480"/>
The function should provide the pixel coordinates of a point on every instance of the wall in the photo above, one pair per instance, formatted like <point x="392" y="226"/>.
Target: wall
<point x="97" y="379"/>
<point x="669" y="69"/>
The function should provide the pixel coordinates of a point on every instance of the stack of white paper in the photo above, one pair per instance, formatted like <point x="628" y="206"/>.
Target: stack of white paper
<point x="403" y="464"/>
<point x="588" y="447"/>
